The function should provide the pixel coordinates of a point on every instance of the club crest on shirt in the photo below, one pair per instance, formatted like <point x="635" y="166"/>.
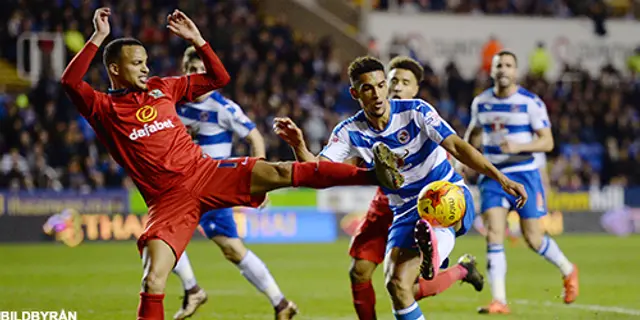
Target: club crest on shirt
<point x="156" y="93"/>
<point x="403" y="136"/>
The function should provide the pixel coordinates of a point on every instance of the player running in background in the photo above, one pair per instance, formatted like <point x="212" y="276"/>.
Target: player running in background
<point x="214" y="119"/>
<point x="419" y="138"/>
<point x="510" y="117"/>
<point x="138" y="123"/>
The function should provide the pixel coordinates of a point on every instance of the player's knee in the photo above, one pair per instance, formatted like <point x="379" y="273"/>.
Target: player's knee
<point x="398" y="289"/>
<point x="361" y="271"/>
<point x="283" y="172"/>
<point x="494" y="233"/>
<point x="232" y="250"/>
<point x="153" y="282"/>
<point x="533" y="240"/>
<point x="268" y="176"/>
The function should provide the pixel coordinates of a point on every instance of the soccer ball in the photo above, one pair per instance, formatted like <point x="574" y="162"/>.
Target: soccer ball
<point x="441" y="203"/>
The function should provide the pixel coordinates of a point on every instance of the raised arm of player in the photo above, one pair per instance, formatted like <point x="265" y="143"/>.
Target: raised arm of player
<point x="286" y="129"/>
<point x="292" y="135"/>
<point x="440" y="132"/>
<point x="195" y="85"/>
<point x="80" y="92"/>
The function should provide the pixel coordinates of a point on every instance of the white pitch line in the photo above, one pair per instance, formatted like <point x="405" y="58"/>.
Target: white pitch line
<point x="588" y="307"/>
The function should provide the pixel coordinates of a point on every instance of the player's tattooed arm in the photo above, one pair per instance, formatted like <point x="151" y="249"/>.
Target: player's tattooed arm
<point x="286" y="129"/>
<point x="471" y="157"/>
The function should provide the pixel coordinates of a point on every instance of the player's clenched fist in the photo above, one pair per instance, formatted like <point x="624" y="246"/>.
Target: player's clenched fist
<point x="286" y="129"/>
<point x="183" y="27"/>
<point x="101" y="21"/>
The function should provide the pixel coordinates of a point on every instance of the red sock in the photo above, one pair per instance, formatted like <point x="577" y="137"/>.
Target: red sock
<point x="325" y="174"/>
<point x="441" y="282"/>
<point x="364" y="300"/>
<point x="150" y="307"/>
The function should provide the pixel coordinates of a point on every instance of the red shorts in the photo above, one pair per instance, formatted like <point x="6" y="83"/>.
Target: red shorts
<point x="370" y="241"/>
<point x="215" y="184"/>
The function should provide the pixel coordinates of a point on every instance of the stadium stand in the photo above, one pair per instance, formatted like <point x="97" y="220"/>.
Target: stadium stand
<point x="275" y="71"/>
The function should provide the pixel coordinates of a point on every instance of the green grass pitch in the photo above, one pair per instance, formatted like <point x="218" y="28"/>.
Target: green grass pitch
<point x="101" y="281"/>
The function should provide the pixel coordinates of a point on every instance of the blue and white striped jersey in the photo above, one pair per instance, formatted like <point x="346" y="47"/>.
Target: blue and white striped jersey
<point x="415" y="131"/>
<point x="515" y="118"/>
<point x="215" y="120"/>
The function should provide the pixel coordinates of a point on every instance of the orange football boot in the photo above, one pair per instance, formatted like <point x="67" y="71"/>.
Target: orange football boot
<point x="571" y="286"/>
<point x="496" y="307"/>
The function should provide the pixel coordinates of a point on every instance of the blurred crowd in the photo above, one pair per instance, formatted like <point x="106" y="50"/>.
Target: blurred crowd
<point x="557" y="8"/>
<point x="276" y="71"/>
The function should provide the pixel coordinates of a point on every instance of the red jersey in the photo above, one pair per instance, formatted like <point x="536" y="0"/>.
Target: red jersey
<point x="141" y="129"/>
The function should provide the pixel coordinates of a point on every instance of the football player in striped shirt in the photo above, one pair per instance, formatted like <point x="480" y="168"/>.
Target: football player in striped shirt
<point x="515" y="126"/>
<point x="214" y="119"/>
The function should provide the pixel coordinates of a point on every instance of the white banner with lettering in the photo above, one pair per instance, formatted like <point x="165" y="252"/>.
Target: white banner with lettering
<point x="357" y="199"/>
<point x="440" y="38"/>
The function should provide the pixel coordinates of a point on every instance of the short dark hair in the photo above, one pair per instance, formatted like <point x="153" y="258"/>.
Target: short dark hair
<point x="362" y="65"/>
<point x="508" y="53"/>
<point x="113" y="50"/>
<point x="404" y="62"/>
<point x="189" y="55"/>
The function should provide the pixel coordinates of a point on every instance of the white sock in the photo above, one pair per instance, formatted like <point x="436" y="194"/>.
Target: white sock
<point x="549" y="250"/>
<point x="185" y="272"/>
<point x="412" y="312"/>
<point x="257" y="273"/>
<point x="446" y="242"/>
<point x="497" y="269"/>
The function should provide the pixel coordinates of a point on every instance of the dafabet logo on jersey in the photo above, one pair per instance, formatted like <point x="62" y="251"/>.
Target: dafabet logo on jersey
<point x="145" y="115"/>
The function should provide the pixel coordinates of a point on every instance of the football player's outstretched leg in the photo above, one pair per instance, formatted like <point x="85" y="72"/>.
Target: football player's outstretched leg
<point x="138" y="124"/>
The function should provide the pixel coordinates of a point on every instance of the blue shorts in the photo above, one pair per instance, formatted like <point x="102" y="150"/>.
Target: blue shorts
<point x="219" y="223"/>
<point x="401" y="230"/>
<point x="493" y="196"/>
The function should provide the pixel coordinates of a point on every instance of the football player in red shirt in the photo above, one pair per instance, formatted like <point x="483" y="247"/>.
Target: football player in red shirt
<point x="137" y="122"/>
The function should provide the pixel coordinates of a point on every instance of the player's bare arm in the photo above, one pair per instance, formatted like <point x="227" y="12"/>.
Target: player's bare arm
<point x="256" y="141"/>
<point x="216" y="76"/>
<point x="471" y="157"/>
<point x="544" y="143"/>
<point x="286" y="129"/>
<point x="179" y="24"/>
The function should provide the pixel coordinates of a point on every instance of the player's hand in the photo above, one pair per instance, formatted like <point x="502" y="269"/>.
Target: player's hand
<point x="101" y="21"/>
<point x="183" y="27"/>
<point x="517" y="190"/>
<point x="286" y="129"/>
<point x="509" y="147"/>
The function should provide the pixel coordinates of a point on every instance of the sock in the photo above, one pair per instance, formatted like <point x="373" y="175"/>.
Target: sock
<point x="185" y="272"/>
<point x="413" y="312"/>
<point x="364" y="300"/>
<point x="446" y="242"/>
<point x="325" y="174"/>
<point x="497" y="269"/>
<point x="549" y="250"/>
<point x="150" y="307"/>
<point x="442" y="282"/>
<point x="256" y="272"/>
